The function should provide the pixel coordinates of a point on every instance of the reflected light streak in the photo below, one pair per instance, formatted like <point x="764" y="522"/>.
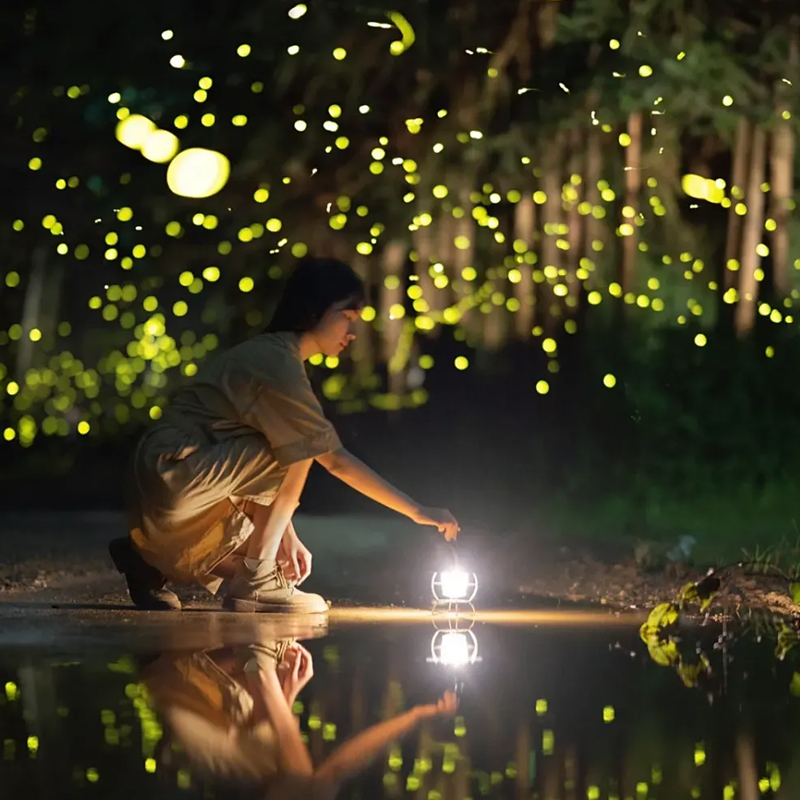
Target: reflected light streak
<point x="362" y="615"/>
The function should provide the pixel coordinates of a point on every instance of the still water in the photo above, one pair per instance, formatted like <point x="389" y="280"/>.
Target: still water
<point x="544" y="711"/>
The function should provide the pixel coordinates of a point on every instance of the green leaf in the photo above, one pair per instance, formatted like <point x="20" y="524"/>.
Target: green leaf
<point x="794" y="591"/>
<point x="703" y="591"/>
<point x="794" y="686"/>
<point x="787" y="639"/>
<point x="660" y="618"/>
<point x="690" y="673"/>
<point x="664" y="653"/>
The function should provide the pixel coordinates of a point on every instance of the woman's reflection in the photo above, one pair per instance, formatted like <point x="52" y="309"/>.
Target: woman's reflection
<point x="230" y="712"/>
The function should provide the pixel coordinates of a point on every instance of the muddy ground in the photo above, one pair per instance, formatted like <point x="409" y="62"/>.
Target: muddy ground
<point x="386" y="561"/>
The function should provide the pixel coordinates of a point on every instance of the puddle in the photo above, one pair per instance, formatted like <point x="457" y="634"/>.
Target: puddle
<point x="546" y="711"/>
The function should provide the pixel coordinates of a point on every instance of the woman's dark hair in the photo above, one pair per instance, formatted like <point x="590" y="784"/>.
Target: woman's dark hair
<point x="313" y="287"/>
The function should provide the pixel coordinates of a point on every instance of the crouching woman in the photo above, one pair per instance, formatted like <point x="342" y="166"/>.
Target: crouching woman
<point x="216" y="481"/>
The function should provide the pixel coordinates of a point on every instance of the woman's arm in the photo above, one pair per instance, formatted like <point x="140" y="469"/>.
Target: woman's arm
<point x="356" y="754"/>
<point x="271" y="522"/>
<point x="356" y="474"/>
<point x="270" y="705"/>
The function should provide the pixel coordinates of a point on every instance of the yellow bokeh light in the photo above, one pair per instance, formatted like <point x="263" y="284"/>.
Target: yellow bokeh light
<point x="160" y="146"/>
<point x="198" y="173"/>
<point x="702" y="188"/>
<point x="133" y="131"/>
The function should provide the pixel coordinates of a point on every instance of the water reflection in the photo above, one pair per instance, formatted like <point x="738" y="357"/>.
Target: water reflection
<point x="558" y="713"/>
<point x="230" y="713"/>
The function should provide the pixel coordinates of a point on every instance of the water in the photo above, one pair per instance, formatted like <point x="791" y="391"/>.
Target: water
<point x="547" y="711"/>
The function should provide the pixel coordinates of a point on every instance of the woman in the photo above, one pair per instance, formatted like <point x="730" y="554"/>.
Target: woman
<point x="230" y="710"/>
<point x="216" y="481"/>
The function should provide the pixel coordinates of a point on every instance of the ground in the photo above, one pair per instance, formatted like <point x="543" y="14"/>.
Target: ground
<point x="60" y="559"/>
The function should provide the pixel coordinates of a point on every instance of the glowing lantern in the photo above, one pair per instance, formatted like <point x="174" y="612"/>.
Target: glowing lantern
<point x="134" y="130"/>
<point x="160" y="146"/>
<point x="454" y="586"/>
<point x="198" y="173"/>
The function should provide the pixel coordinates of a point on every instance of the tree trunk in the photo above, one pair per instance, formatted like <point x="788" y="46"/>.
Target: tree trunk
<point x="741" y="164"/>
<point x="525" y="230"/>
<point x="745" y="316"/>
<point x="553" y="209"/>
<point x="633" y="186"/>
<point x="782" y="183"/>
<point x="522" y="757"/>
<point x="782" y="179"/>
<point x="362" y="349"/>
<point x="594" y="227"/>
<point x="574" y="221"/>
<point x="393" y="264"/>
<point x="748" y="768"/>
<point x="423" y="244"/>
<point x="471" y="319"/>
<point x="31" y="310"/>
<point x="465" y="229"/>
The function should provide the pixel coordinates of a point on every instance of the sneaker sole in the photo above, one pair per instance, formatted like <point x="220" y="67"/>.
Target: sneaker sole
<point x="254" y="606"/>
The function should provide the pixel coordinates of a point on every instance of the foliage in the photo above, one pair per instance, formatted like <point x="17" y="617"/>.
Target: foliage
<point x="168" y="280"/>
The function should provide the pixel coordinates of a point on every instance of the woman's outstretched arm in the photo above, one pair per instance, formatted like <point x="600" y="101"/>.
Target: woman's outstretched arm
<point x="355" y="473"/>
<point x="356" y="754"/>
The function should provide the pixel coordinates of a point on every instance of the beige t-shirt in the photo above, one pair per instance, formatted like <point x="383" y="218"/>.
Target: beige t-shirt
<point x="259" y="385"/>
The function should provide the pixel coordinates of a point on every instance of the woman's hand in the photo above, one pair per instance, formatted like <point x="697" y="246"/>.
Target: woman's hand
<point x="294" y="558"/>
<point x="295" y="671"/>
<point x="446" y="707"/>
<point x="439" y="518"/>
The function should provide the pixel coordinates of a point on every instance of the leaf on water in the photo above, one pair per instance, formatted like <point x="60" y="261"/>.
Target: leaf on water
<point x="690" y="674"/>
<point x="664" y="653"/>
<point x="661" y="617"/>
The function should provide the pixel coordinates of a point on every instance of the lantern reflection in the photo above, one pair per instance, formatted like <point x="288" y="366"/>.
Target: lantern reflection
<point x="454" y="648"/>
<point x="454" y="643"/>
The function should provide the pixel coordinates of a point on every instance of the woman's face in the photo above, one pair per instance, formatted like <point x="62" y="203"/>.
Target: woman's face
<point x="336" y="329"/>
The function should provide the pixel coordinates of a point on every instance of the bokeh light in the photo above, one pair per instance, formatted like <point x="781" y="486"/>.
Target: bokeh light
<point x="198" y="173"/>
